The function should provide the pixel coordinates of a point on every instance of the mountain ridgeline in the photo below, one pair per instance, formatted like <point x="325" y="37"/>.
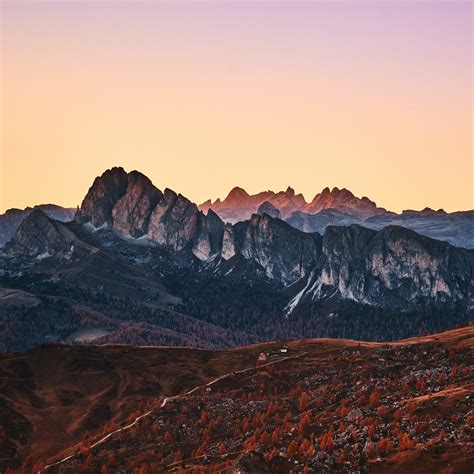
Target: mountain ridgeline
<point x="394" y="266"/>
<point x="155" y="261"/>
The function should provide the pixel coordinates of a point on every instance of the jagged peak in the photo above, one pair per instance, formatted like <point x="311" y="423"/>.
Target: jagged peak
<point x="237" y="193"/>
<point x="137" y="176"/>
<point x="169" y="193"/>
<point x="213" y="215"/>
<point x="35" y="216"/>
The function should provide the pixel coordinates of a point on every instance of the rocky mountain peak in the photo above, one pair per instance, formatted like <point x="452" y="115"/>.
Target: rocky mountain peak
<point x="11" y="220"/>
<point x="236" y="196"/>
<point x="344" y="201"/>
<point x="105" y="191"/>
<point x="39" y="236"/>
<point x="134" y="207"/>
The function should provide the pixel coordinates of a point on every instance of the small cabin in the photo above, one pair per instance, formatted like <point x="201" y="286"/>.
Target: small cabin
<point x="284" y="349"/>
<point x="262" y="356"/>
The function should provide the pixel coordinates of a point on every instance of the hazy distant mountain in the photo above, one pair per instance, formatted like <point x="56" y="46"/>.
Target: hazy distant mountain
<point x="457" y="228"/>
<point x="341" y="207"/>
<point x="11" y="220"/>
<point x="344" y="201"/>
<point x="239" y="205"/>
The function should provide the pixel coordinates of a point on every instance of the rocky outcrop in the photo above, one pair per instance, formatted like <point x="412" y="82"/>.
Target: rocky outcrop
<point x="11" y="220"/>
<point x="270" y="209"/>
<point x="393" y="267"/>
<point x="287" y="202"/>
<point x="240" y="205"/>
<point x="174" y="221"/>
<point x="233" y="239"/>
<point x="40" y="237"/>
<point x="134" y="207"/>
<point x="131" y="213"/>
<point x="343" y="200"/>
<point x="208" y="240"/>
<point x="106" y="190"/>
<point x="418" y="267"/>
<point x="285" y="253"/>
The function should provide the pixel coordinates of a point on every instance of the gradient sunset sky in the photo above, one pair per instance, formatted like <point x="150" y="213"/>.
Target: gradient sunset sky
<point x="203" y="96"/>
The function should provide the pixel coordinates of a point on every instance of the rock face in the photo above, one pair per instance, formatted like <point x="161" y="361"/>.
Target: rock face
<point x="208" y="240"/>
<point x="131" y="213"/>
<point x="285" y="253"/>
<point x="418" y="267"/>
<point x="270" y="209"/>
<point x="11" y="220"/>
<point x="393" y="267"/>
<point x="134" y="207"/>
<point x="174" y="221"/>
<point x="102" y="196"/>
<point x="40" y="237"/>
<point x="240" y="205"/>
<point x="343" y="200"/>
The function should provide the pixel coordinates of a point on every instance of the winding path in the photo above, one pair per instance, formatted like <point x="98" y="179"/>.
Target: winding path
<point x="169" y="399"/>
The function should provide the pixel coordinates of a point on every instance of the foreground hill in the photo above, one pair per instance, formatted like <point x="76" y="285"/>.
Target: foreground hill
<point x="308" y="406"/>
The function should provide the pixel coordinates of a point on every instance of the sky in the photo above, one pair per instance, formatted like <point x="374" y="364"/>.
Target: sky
<point x="373" y="96"/>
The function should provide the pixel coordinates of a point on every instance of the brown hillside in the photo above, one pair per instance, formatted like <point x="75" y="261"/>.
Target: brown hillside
<point x="318" y="397"/>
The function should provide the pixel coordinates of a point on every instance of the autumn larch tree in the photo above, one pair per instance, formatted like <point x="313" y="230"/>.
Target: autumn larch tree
<point x="292" y="449"/>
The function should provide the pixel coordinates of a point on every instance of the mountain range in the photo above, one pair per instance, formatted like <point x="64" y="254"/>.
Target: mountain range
<point x="341" y="207"/>
<point x="140" y="264"/>
<point x="239" y="205"/>
<point x="329" y="207"/>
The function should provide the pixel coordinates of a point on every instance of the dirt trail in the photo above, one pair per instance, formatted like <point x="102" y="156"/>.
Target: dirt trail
<point x="169" y="399"/>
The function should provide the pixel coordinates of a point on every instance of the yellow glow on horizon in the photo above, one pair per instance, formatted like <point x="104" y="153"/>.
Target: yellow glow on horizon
<point x="202" y="125"/>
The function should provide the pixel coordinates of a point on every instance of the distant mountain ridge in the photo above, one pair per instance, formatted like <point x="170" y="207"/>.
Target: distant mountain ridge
<point x="12" y="218"/>
<point x="390" y="267"/>
<point x="457" y="228"/>
<point x="239" y="205"/>
<point x="341" y="207"/>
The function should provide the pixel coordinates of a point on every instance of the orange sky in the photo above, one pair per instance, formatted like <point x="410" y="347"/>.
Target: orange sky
<point x="203" y="97"/>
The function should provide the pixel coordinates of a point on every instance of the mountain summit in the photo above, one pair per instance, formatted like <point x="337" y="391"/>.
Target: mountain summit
<point x="240" y="205"/>
<point x="345" y="201"/>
